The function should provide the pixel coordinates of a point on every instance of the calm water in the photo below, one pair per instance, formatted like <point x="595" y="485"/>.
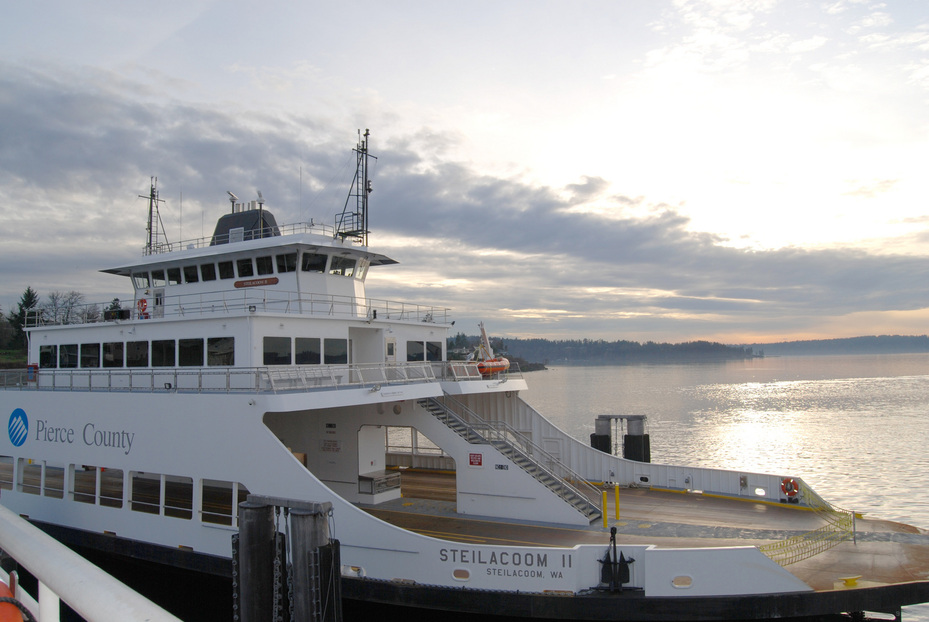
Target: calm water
<point x="854" y="427"/>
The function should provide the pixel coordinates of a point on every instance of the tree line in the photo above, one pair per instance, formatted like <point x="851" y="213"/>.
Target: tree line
<point x="56" y="308"/>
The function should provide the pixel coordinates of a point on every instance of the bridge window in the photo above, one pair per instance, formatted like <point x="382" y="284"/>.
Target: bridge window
<point x="307" y="351"/>
<point x="190" y="352"/>
<point x="220" y="351"/>
<point x="90" y="355"/>
<point x="342" y="266"/>
<point x="265" y="265"/>
<point x="48" y="356"/>
<point x="141" y="280"/>
<point x="174" y="276"/>
<point x="336" y="351"/>
<point x="314" y="262"/>
<point x="226" y="270"/>
<point x="277" y="350"/>
<point x="415" y="351"/>
<point x="163" y="353"/>
<point x="158" y="278"/>
<point x="137" y="354"/>
<point x="287" y="263"/>
<point x="67" y="355"/>
<point x="245" y="266"/>
<point x="208" y="271"/>
<point x="190" y="274"/>
<point x="433" y="350"/>
<point x="362" y="269"/>
<point x="113" y="354"/>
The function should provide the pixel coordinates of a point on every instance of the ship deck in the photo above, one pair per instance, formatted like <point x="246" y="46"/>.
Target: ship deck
<point x="883" y="553"/>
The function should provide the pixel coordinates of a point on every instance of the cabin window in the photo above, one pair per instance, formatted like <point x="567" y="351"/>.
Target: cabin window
<point x="137" y="354"/>
<point x="336" y="351"/>
<point x="90" y="355"/>
<point x="220" y="501"/>
<point x="190" y="274"/>
<point x="179" y="496"/>
<point x="67" y="355"/>
<point x="245" y="266"/>
<point x="433" y="350"/>
<point x="190" y="352"/>
<point x="287" y="263"/>
<point x="163" y="353"/>
<point x="6" y="472"/>
<point x="48" y="356"/>
<point x="145" y="492"/>
<point x="30" y="476"/>
<point x="84" y="485"/>
<point x="208" y="271"/>
<point x="158" y="278"/>
<point x="54" y="481"/>
<point x="265" y="265"/>
<point x="113" y="354"/>
<point x="141" y="280"/>
<point x="277" y="350"/>
<point x="342" y="266"/>
<point x="174" y="276"/>
<point x="314" y="262"/>
<point x="220" y="351"/>
<point x="307" y="351"/>
<point x="415" y="351"/>
<point x="226" y="270"/>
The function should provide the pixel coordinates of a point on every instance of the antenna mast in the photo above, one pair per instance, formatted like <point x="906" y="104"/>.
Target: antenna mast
<point x="154" y="227"/>
<point x="353" y="221"/>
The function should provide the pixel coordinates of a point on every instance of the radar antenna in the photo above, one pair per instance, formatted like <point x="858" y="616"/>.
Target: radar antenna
<point x="353" y="221"/>
<point x="155" y="228"/>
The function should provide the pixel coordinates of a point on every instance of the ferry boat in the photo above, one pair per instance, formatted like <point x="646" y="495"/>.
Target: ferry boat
<point x="253" y="361"/>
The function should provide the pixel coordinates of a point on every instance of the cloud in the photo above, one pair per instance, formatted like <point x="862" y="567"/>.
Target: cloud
<point x="579" y="260"/>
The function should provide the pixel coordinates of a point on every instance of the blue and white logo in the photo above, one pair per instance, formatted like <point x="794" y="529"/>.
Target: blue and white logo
<point x="18" y="427"/>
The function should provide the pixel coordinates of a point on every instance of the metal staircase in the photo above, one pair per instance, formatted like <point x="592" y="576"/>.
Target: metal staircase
<point x="521" y="451"/>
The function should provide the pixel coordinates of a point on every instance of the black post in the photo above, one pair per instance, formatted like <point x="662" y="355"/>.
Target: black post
<point x="256" y="562"/>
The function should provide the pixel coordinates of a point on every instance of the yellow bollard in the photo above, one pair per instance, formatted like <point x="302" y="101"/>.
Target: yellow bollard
<point x="604" y="512"/>
<point x="617" y="501"/>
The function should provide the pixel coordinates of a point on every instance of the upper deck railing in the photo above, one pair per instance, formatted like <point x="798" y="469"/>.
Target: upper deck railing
<point x="244" y="301"/>
<point x="282" y="379"/>
<point x="311" y="227"/>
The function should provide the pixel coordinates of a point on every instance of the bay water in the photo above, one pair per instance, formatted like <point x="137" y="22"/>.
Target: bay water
<point x="854" y="427"/>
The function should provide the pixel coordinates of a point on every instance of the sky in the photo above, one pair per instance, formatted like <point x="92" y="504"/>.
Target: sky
<point x="744" y="171"/>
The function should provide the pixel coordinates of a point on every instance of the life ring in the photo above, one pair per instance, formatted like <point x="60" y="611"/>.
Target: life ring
<point x="790" y="487"/>
<point x="8" y="609"/>
<point x="143" y="305"/>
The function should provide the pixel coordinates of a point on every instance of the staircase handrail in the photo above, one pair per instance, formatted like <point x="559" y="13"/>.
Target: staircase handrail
<point x="568" y="479"/>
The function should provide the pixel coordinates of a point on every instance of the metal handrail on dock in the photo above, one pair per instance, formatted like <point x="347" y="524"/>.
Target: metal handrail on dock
<point x="64" y="575"/>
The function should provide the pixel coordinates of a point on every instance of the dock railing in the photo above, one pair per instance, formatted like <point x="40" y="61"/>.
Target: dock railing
<point x="64" y="575"/>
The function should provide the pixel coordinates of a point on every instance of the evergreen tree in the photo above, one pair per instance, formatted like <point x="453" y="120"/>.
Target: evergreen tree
<point x="28" y="302"/>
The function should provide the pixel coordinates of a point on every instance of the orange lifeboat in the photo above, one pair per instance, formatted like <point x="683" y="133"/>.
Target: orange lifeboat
<point x="493" y="366"/>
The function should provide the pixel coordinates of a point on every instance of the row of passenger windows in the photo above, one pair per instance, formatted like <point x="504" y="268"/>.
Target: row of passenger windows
<point x="160" y="353"/>
<point x="305" y="351"/>
<point x="150" y="493"/>
<point x="249" y="267"/>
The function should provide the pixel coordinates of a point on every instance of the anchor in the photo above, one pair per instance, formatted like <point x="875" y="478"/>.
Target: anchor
<point x="614" y="572"/>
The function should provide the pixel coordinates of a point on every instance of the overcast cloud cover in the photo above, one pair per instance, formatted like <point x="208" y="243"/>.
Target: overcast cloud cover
<point x="669" y="171"/>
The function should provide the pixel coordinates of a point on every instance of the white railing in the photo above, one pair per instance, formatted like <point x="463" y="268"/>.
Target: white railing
<point x="65" y="575"/>
<point x="244" y="301"/>
<point x="314" y="228"/>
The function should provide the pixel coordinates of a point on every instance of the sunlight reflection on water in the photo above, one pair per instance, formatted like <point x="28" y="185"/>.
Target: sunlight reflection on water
<point x="853" y="427"/>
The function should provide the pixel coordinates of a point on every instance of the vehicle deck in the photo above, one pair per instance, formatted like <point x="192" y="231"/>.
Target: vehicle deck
<point x="885" y="552"/>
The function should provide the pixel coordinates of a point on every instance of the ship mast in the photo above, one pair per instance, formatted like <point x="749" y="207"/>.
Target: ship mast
<point x="353" y="221"/>
<point x="154" y="225"/>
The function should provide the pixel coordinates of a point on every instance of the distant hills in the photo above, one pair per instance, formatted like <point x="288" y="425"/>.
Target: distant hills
<point x="877" y="344"/>
<point x="598" y="351"/>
